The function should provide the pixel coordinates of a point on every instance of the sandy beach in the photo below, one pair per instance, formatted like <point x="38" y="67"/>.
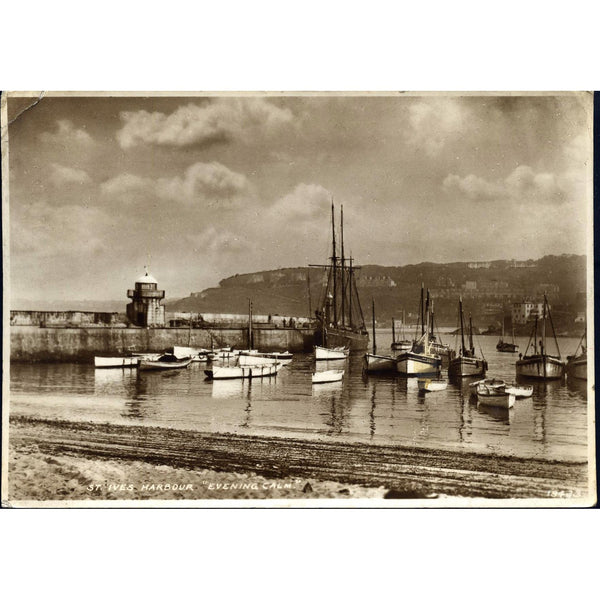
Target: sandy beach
<point x="61" y="460"/>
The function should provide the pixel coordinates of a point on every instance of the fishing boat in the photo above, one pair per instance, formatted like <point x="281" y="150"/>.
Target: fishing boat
<point x="490" y="382"/>
<point x="164" y="362"/>
<point x="374" y="362"/>
<point x="577" y="363"/>
<point x="240" y="372"/>
<point x="116" y="362"/>
<point x="519" y="391"/>
<point x="420" y="360"/>
<point x="400" y="345"/>
<point x="503" y="346"/>
<point x="340" y="321"/>
<point x="466" y="363"/>
<point x="338" y="353"/>
<point x="432" y="385"/>
<point x="539" y="364"/>
<point x="327" y="376"/>
<point x="494" y="396"/>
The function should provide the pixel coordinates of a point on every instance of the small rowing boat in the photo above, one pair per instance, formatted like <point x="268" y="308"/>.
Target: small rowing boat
<point x="432" y="385"/>
<point x="327" y="376"/>
<point x="243" y="372"/>
<point x="116" y="362"/>
<point x="164" y="362"/>
<point x="494" y="396"/>
<point x="519" y="391"/>
<point x="338" y="353"/>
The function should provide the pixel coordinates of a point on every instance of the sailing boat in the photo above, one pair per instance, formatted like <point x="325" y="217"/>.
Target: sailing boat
<point x="437" y="346"/>
<point x="403" y="344"/>
<point x="503" y="346"/>
<point x="420" y="359"/>
<point x="539" y="364"/>
<point x="340" y="321"/>
<point x="376" y="362"/>
<point x="577" y="364"/>
<point x="466" y="363"/>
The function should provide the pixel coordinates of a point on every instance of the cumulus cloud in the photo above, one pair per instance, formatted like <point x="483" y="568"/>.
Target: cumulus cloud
<point x="61" y="175"/>
<point x="306" y="202"/>
<point x="522" y="184"/>
<point x="219" y="120"/>
<point x="433" y="121"/>
<point x="67" y="134"/>
<point x="44" y="230"/>
<point x="211" y="184"/>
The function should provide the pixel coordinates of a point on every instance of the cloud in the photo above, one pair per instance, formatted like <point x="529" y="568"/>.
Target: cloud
<point x="521" y="185"/>
<point x="44" y="230"/>
<point x="307" y="202"/>
<point x="216" y="242"/>
<point x="434" y="121"/>
<point x="62" y="175"/>
<point x="211" y="184"/>
<point x="66" y="135"/>
<point x="219" y="120"/>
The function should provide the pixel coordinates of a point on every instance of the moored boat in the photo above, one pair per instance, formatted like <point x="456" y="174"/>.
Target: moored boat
<point x="404" y="344"/>
<point x="432" y="385"/>
<point x="466" y="363"/>
<point x="196" y="354"/>
<point x="164" y="362"/>
<point x="116" y="362"/>
<point x="375" y="362"/>
<point x="327" y="376"/>
<point x="340" y="321"/>
<point x="503" y="346"/>
<point x="519" y="391"/>
<point x="577" y="363"/>
<point x="242" y="372"/>
<point x="338" y="353"/>
<point x="540" y="364"/>
<point x="494" y="396"/>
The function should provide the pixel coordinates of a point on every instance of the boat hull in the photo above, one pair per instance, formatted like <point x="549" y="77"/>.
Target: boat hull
<point x="412" y="363"/>
<point x="376" y="363"/>
<point x="327" y="376"/>
<point x="339" y="353"/>
<point x="466" y="366"/>
<point x="577" y="367"/>
<point x="354" y="340"/>
<point x="116" y="362"/>
<point x="239" y="372"/>
<point x="431" y="385"/>
<point x="540" y="367"/>
<point x="157" y="365"/>
<point x="494" y="396"/>
<point x="507" y="347"/>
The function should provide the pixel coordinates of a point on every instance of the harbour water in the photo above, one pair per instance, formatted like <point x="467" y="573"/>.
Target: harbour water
<point x="374" y="409"/>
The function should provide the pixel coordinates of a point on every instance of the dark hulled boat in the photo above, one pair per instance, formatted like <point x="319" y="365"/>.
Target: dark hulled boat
<point x="503" y="346"/>
<point x="540" y="364"/>
<point x="466" y="364"/>
<point x="340" y="320"/>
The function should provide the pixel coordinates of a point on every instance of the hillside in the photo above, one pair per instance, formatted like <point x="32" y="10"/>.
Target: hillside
<point x="487" y="288"/>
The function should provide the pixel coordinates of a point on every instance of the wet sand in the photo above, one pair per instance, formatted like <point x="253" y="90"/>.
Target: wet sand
<point x="64" y="460"/>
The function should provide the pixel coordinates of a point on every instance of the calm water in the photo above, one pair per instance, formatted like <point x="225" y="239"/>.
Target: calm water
<point x="373" y="409"/>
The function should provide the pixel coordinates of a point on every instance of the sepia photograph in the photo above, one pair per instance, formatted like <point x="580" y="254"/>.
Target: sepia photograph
<point x="298" y="299"/>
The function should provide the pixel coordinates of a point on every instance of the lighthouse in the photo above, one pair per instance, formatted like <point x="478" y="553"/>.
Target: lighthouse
<point x="145" y="309"/>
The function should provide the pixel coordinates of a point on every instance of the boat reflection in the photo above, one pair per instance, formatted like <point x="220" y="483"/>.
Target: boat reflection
<point x="228" y="388"/>
<point x="497" y="413"/>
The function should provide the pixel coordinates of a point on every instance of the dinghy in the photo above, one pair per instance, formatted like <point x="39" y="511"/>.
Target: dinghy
<point x="116" y="362"/>
<point x="241" y="372"/>
<point x="494" y="396"/>
<point x="327" y="376"/>
<point x="165" y="362"/>
<point x="519" y="391"/>
<point x="337" y="353"/>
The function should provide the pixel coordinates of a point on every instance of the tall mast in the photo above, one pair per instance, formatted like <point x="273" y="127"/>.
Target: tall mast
<point x="373" y="310"/>
<point x="350" y="279"/>
<point x="544" y="327"/>
<point x="462" y="330"/>
<point x="422" y="308"/>
<point x="308" y="290"/>
<point x="334" y="263"/>
<point x="343" y="267"/>
<point x="393" y="331"/>
<point x="431" y="329"/>
<point x="472" y="347"/>
<point x="249" y="324"/>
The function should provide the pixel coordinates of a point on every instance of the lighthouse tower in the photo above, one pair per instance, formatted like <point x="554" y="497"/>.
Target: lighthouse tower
<point x="145" y="309"/>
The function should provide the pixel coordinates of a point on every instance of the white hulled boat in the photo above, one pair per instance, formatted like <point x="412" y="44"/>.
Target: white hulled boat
<point x="239" y="372"/>
<point x="164" y="362"/>
<point x="466" y="364"/>
<point x="374" y="362"/>
<point x="338" y="353"/>
<point x="116" y="362"/>
<point x="494" y="396"/>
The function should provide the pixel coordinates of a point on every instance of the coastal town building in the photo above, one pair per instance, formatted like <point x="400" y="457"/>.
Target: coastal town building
<point x="145" y="310"/>
<point x="525" y="311"/>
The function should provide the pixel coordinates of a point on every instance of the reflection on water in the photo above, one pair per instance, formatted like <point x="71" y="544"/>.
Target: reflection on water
<point x="372" y="409"/>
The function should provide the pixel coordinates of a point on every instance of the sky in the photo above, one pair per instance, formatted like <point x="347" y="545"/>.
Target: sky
<point x="201" y="188"/>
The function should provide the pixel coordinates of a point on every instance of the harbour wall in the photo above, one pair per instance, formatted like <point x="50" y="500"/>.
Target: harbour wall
<point x="81" y="344"/>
